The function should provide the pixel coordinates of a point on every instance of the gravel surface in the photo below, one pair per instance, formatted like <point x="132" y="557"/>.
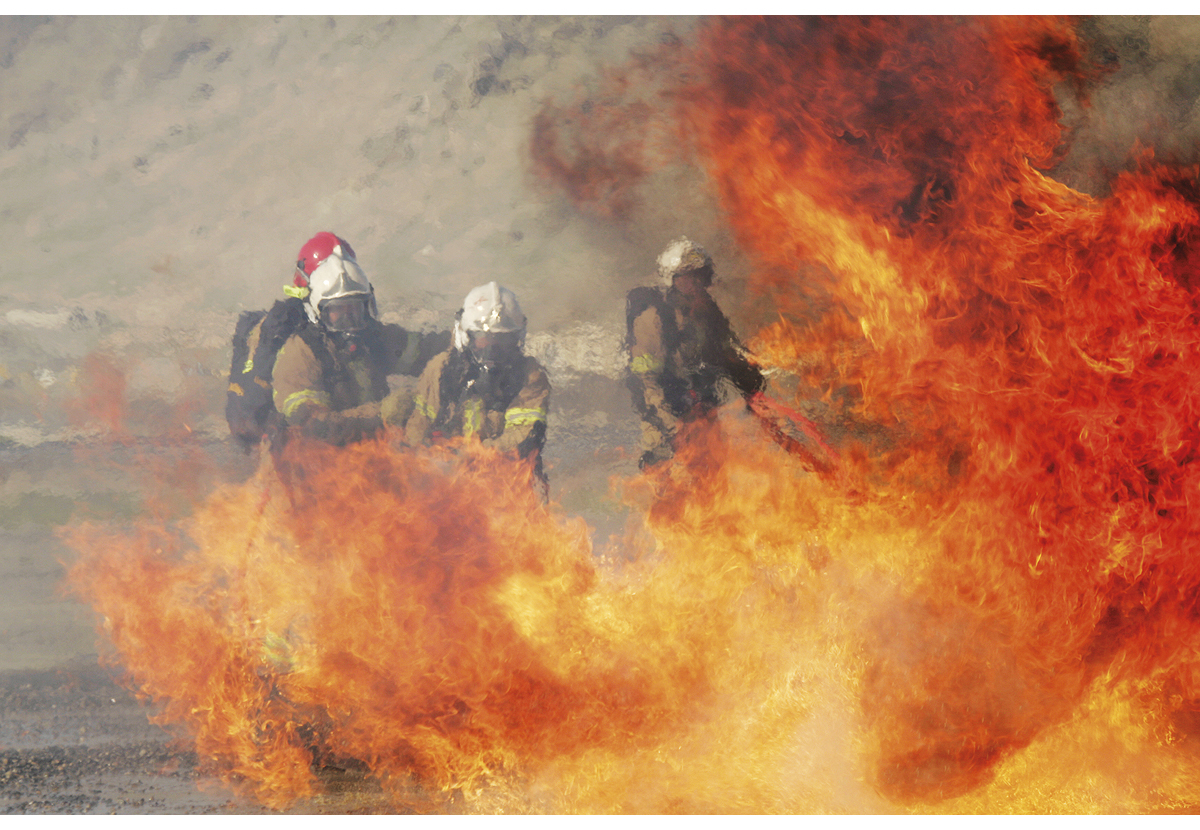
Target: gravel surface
<point x="73" y="741"/>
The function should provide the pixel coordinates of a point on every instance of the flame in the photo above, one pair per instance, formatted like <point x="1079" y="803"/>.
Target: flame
<point x="102" y="395"/>
<point x="456" y="635"/>
<point x="991" y="608"/>
<point x="1034" y="349"/>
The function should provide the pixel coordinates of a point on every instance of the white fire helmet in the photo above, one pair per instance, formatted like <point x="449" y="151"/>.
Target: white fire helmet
<point x="490" y="308"/>
<point x="684" y="256"/>
<point x="339" y="278"/>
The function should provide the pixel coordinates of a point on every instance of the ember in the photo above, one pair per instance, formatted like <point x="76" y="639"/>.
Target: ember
<point x="991" y="608"/>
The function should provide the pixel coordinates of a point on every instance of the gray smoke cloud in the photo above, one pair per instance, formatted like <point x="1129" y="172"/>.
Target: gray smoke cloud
<point x="1148" y="100"/>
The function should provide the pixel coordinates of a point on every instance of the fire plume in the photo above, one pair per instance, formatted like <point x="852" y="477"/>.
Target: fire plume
<point x="361" y="612"/>
<point x="992" y="608"/>
<point x="1034" y="349"/>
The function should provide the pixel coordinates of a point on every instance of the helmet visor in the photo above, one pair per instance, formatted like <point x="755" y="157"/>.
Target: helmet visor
<point x="495" y="348"/>
<point x="345" y="314"/>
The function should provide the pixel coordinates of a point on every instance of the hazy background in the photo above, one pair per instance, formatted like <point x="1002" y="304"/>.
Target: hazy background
<point x="158" y="175"/>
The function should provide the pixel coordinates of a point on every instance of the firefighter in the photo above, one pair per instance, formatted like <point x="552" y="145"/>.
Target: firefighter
<point x="681" y="346"/>
<point x="485" y="386"/>
<point x="329" y="377"/>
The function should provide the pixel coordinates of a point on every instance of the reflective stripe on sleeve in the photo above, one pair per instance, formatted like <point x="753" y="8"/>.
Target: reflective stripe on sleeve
<point x="517" y="417"/>
<point x="423" y="407"/>
<point x="295" y="400"/>
<point x="472" y="416"/>
<point x="646" y="363"/>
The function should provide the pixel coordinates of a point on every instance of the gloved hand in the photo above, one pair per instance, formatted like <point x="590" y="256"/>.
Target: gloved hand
<point x="396" y="407"/>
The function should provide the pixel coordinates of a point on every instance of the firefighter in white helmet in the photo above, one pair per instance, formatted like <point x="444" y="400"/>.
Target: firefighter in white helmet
<point x="680" y="347"/>
<point x="485" y="386"/>
<point x="320" y="360"/>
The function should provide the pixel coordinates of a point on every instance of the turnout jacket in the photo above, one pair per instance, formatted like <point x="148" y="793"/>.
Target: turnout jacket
<point x="509" y="415"/>
<point x="678" y="353"/>
<point x="331" y="388"/>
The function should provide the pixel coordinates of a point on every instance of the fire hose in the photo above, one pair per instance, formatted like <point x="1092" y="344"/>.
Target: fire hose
<point x="776" y="418"/>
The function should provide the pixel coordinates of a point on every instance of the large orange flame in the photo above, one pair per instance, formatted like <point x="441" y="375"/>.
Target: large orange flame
<point x="992" y="608"/>
<point x="1037" y="349"/>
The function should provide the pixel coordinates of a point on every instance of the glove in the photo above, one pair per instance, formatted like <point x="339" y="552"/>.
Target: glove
<point x="396" y="407"/>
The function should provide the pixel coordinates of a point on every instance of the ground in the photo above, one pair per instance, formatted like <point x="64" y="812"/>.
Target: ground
<point x="72" y="738"/>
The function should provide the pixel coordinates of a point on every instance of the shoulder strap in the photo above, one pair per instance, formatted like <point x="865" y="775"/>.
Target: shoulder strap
<point x="241" y="345"/>
<point x="376" y="346"/>
<point x="451" y="382"/>
<point x="249" y="401"/>
<point x="284" y="319"/>
<point x="642" y="298"/>
<point x="331" y="370"/>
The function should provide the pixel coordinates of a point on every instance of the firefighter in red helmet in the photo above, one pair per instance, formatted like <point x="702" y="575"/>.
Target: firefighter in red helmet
<point x="323" y="354"/>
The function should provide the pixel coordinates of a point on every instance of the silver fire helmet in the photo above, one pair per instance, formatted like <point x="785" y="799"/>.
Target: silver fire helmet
<point x="684" y="256"/>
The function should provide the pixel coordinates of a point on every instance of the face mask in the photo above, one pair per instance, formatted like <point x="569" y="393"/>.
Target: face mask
<point x="345" y="314"/>
<point x="493" y="350"/>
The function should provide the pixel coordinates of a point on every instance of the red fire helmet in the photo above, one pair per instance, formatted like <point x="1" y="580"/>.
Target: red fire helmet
<point x="315" y="251"/>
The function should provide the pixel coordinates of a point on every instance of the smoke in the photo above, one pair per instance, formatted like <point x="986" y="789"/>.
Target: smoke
<point x="1145" y="101"/>
<point x="958" y="262"/>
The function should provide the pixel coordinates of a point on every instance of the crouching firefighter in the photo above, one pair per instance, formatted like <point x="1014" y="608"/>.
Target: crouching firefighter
<point x="485" y="386"/>
<point x="318" y="362"/>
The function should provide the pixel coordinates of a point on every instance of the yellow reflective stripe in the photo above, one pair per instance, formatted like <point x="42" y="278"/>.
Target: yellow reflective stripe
<point x="423" y="405"/>
<point x="249" y="367"/>
<point x="645" y="363"/>
<point x="516" y="417"/>
<point x="295" y="400"/>
<point x="295" y="291"/>
<point x="472" y="416"/>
